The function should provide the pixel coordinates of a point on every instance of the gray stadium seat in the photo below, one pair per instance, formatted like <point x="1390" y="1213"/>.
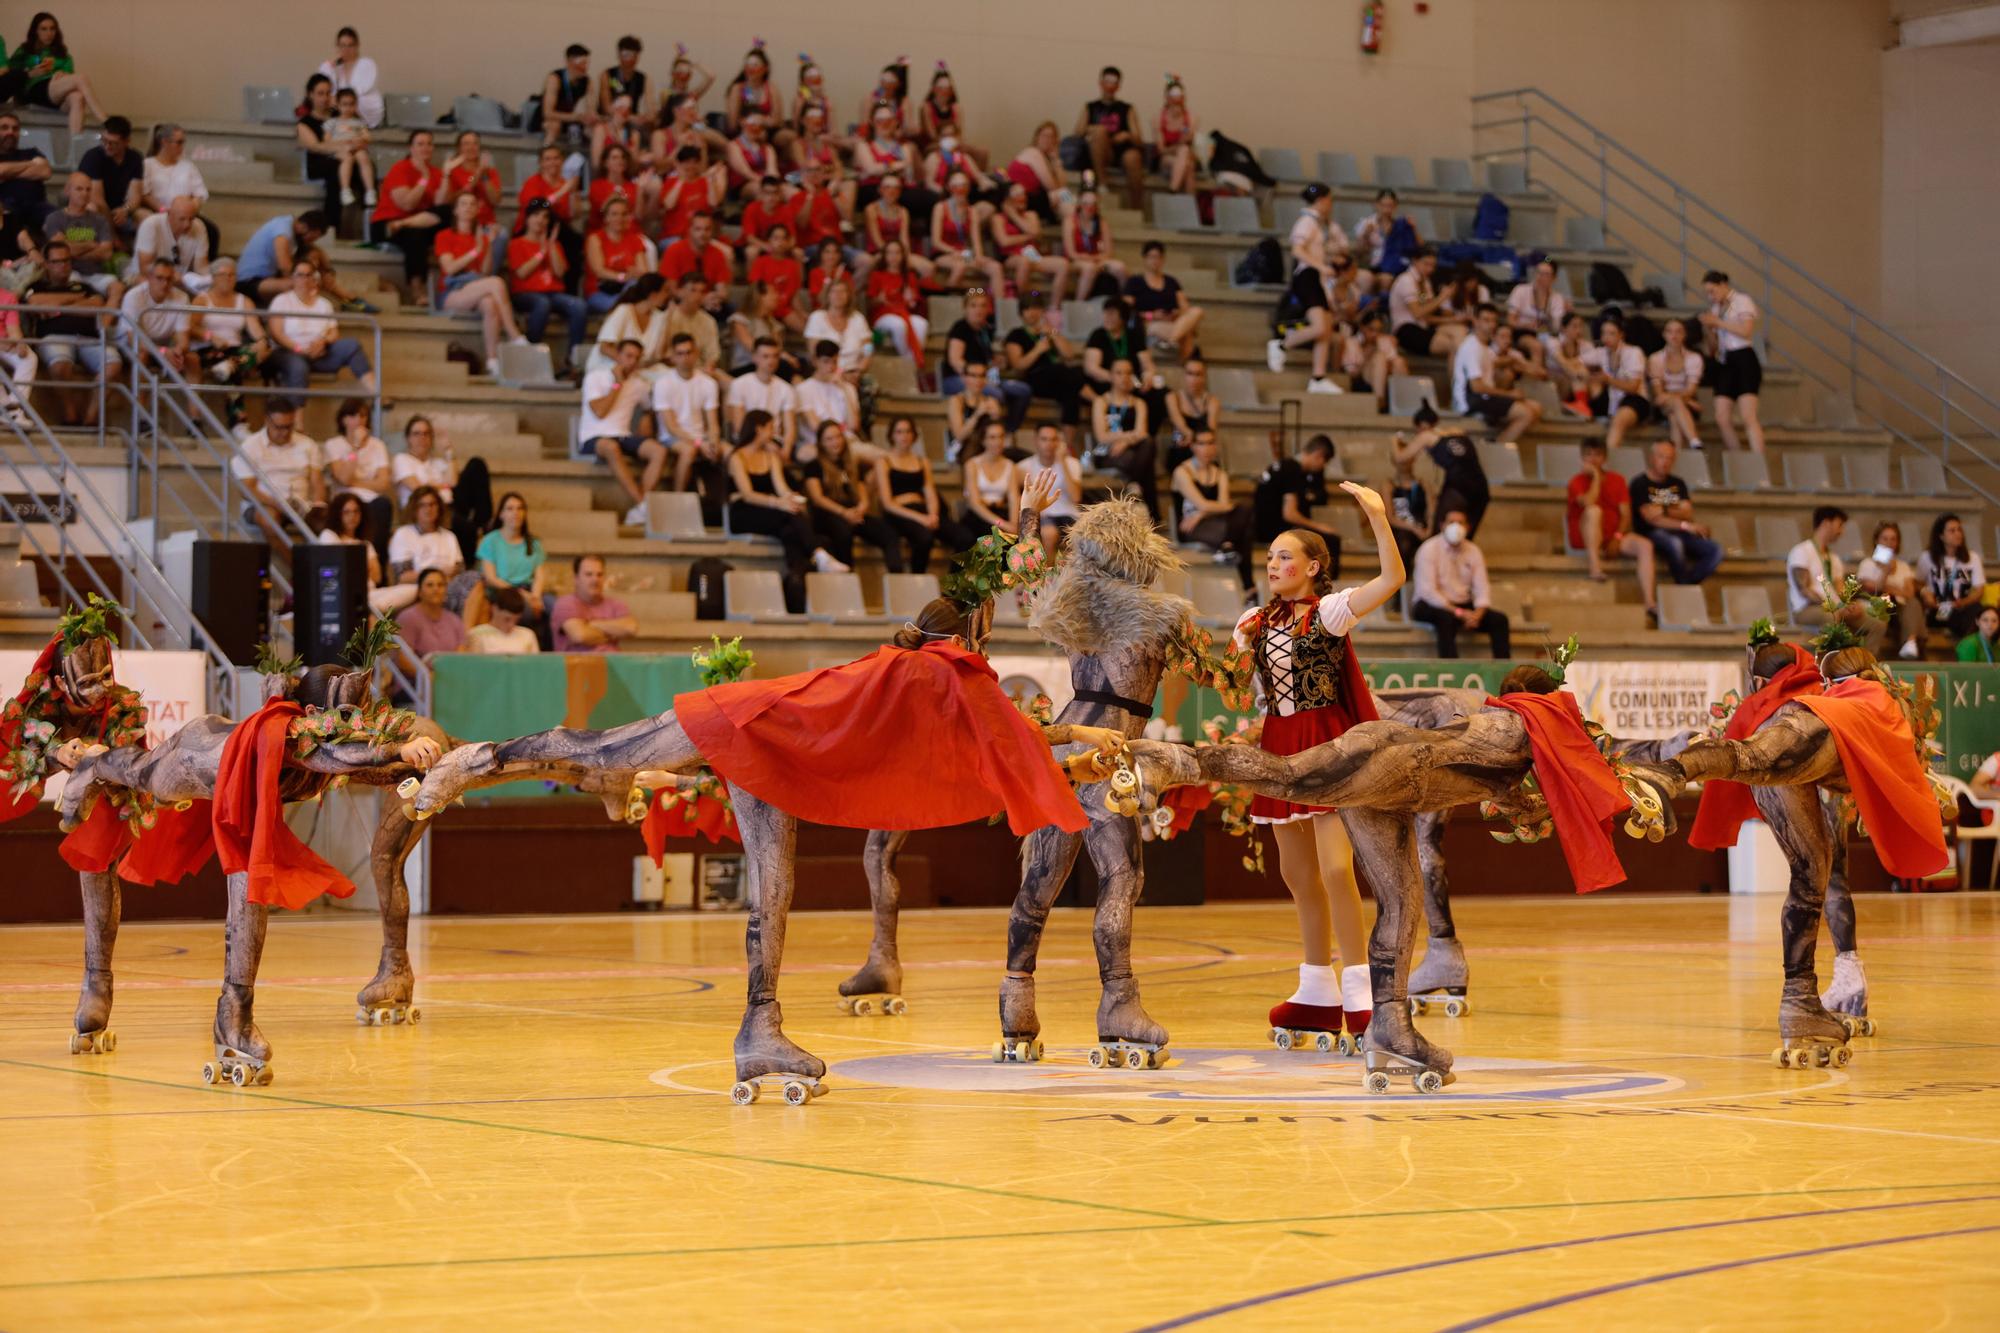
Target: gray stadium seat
<point x="674" y="516"/>
<point x="262" y="105"/>
<point x="1235" y="386"/>
<point x="1175" y="212"/>
<point x="1237" y="213"/>
<point x="1744" y="607"/>
<point x="517" y="167"/>
<point x="1338" y="168"/>
<point x="835" y="597"/>
<point x="1583" y="234"/>
<point x="1683" y="608"/>
<point x="18" y="588"/>
<point x="1409" y="392"/>
<point x="1452" y="173"/>
<point x="1425" y="222"/>
<point x="1924" y="476"/>
<point x="1497" y="276"/>
<point x="1555" y="464"/>
<point x="754" y="594"/>
<point x="477" y="113"/>
<point x="523" y="364"/>
<point x="1779" y="533"/>
<point x="1868" y="472"/>
<point x="1216" y="594"/>
<point x="1502" y="463"/>
<point x="1627" y="460"/>
<point x="1281" y="163"/>
<point x="1692" y="468"/>
<point x="409" y="110"/>
<point x="1350" y="214"/>
<point x="1744" y="471"/>
<point x="1807" y="472"/>
<point x="1725" y="532"/>
<point x="1532" y="229"/>
<point x="1672" y="289"/>
<point x="1507" y="177"/>
<point x="1395" y="173"/>
<point x="79" y="143"/>
<point x="1082" y="318"/>
<point x="904" y="595"/>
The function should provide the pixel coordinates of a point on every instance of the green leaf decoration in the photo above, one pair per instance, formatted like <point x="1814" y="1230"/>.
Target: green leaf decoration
<point x="93" y="621"/>
<point x="723" y="663"/>
<point x="371" y="642"/>
<point x="1762" y="632"/>
<point x="270" y="664"/>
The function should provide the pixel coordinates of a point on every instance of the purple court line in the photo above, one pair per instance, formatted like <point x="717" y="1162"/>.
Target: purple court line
<point x="1486" y="1321"/>
<point x="1287" y="1293"/>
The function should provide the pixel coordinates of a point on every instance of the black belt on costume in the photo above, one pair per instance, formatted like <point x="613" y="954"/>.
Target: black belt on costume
<point x="1132" y="706"/>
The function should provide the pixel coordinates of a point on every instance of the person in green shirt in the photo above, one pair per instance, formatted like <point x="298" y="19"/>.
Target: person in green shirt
<point x="512" y="557"/>
<point x="1984" y="641"/>
<point x="48" y="74"/>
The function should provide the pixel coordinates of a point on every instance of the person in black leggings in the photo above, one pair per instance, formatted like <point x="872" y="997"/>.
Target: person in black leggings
<point x="764" y="504"/>
<point x="1207" y="515"/>
<point x="408" y="215"/>
<point x="909" y="501"/>
<point x="841" y="505"/>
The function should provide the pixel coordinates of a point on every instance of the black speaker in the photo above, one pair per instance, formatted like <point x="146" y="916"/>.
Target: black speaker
<point x="229" y="592"/>
<point x="329" y="598"/>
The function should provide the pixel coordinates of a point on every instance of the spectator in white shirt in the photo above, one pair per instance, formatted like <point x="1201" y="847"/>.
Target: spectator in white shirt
<point x="350" y="69"/>
<point x="838" y="322"/>
<point x="160" y="329"/>
<point x="827" y="396"/>
<point x="426" y="461"/>
<point x="1475" y="390"/>
<point x="168" y="175"/>
<point x="1617" y="383"/>
<point x="1884" y="573"/>
<point x="610" y="397"/>
<point x="1812" y="571"/>
<point x="1305" y="313"/>
<point x="1731" y="322"/>
<point x="1537" y="312"/>
<point x="176" y="236"/>
<point x="1416" y="310"/>
<point x="762" y="391"/>
<point x="503" y="634"/>
<point x="279" y="464"/>
<point x="422" y="543"/>
<point x="1951" y="578"/>
<point x="358" y="462"/>
<point x="1675" y="374"/>
<point x="686" y="414"/>
<point x="1449" y="591"/>
<point x="308" y="336"/>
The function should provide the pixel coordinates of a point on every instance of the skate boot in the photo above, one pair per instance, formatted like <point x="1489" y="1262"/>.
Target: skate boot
<point x="1357" y="998"/>
<point x="1126" y="1035"/>
<point x="1020" y="1029"/>
<point x="876" y="989"/>
<point x="1440" y="980"/>
<point x="1811" y="1037"/>
<point x="385" y="1001"/>
<point x="242" y="1056"/>
<point x="1395" y="1049"/>
<point x="1847" y="998"/>
<point x="93" y="1036"/>
<point x="766" y="1057"/>
<point x="1312" y="1017"/>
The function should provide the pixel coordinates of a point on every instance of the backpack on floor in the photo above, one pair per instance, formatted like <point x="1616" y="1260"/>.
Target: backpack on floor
<point x="1262" y="266"/>
<point x="1490" y="218"/>
<point x="705" y="582"/>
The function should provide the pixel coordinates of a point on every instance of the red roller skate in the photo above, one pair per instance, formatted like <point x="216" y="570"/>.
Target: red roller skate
<point x="1298" y="1027"/>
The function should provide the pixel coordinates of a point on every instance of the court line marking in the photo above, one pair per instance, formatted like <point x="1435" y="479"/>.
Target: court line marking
<point x="1571" y="1298"/>
<point x="702" y="1153"/>
<point x="1541" y="1247"/>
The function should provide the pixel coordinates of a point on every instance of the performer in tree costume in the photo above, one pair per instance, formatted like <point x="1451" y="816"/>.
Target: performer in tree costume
<point x="1526" y="755"/>
<point x="313" y="730"/>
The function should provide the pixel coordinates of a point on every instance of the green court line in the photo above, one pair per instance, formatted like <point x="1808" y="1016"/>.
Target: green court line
<point x="616" y="1143"/>
<point x="1059" y="1232"/>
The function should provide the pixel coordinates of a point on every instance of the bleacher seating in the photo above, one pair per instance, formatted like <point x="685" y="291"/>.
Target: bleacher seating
<point x="411" y="110"/>
<point x="1745" y="471"/>
<point x="835" y="597"/>
<point x="1451" y="173"/>
<point x="904" y="595"/>
<point x="754" y="594"/>
<point x="1807" y="472"/>
<point x="18" y="590"/>
<point x="1683" y="607"/>
<point x="1338" y="169"/>
<point x="1281" y="164"/>
<point x="1924" y="476"/>
<point x="1216" y="594"/>
<point x="1176" y="212"/>
<point x="1506" y="178"/>
<point x="1779" y="533"/>
<point x="1237" y="213"/>
<point x="1743" y="607"/>
<point x="266" y="105"/>
<point x="674" y="516"/>
<point x="1394" y="172"/>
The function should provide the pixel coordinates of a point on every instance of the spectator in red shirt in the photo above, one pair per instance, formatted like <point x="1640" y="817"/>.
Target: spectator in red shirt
<point x="699" y="250"/>
<point x="767" y="210"/>
<point x="549" y="185"/>
<point x="681" y="126"/>
<point x="614" y="179"/>
<point x="1599" y="513"/>
<point x="779" y="266"/>
<point x="613" y="257"/>
<point x="817" y="212"/>
<point x="687" y="192"/>
<point x="817" y="151"/>
<point x="536" y="268"/>
<point x="407" y="215"/>
<point x="829" y="262"/>
<point x="896" y="303"/>
<point x="471" y="170"/>
<point x="586" y="619"/>
<point x="464" y="252"/>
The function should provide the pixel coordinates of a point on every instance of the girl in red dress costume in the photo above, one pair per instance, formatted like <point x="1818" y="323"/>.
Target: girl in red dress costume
<point x="1177" y="131"/>
<point x="1313" y="692"/>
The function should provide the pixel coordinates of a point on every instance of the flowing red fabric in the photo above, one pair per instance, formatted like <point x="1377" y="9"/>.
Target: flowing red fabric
<point x="179" y="843"/>
<point x="1186" y="803"/>
<point x="1581" y="790"/>
<point x="901" y="739"/>
<point x="704" y="816"/>
<point x="1724" y="804"/>
<point x="1891" y="789"/>
<point x="249" y="816"/>
<point x="13" y="807"/>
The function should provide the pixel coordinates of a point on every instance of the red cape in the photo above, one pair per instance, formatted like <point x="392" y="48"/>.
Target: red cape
<point x="1891" y="789"/>
<point x="249" y="815"/>
<point x="1724" y="804"/>
<point x="703" y="815"/>
<point x="900" y="739"/>
<point x="179" y="843"/>
<point x="1581" y="790"/>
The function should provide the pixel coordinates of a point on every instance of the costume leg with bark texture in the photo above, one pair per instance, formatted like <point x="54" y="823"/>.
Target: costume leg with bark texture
<point x="101" y="907"/>
<point x="1385" y="847"/>
<point x="1442" y="976"/>
<point x="388" y="997"/>
<point x="1810" y="1035"/>
<point x="878" y="986"/>
<point x="1126" y="1033"/>
<point x="763" y="1051"/>
<point x="1046" y="859"/>
<point x="241" y="1053"/>
<point x="593" y="758"/>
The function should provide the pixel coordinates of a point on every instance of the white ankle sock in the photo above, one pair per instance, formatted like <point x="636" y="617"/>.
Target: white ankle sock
<point x="1357" y="990"/>
<point x="1318" y="984"/>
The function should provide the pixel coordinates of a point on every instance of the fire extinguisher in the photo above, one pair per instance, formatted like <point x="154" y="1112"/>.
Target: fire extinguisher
<point x="1371" y="27"/>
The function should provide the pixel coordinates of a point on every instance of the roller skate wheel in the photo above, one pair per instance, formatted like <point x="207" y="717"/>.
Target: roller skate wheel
<point x="1034" y="1050"/>
<point x="999" y="1052"/>
<point x="743" y="1093"/>
<point x="1324" y="1041"/>
<point x="1866" y="1025"/>
<point x="1136" y="1059"/>
<point x="1654" y="833"/>
<point x="361" y="1014"/>
<point x="896" y="1007"/>
<point x="210" y="1074"/>
<point x="1281" y="1039"/>
<point x="1377" y="1082"/>
<point x="846" y="1005"/>
<point x="1841" y="1055"/>
<point x="408" y="787"/>
<point x="1429" y="1081"/>
<point x="1418" y="1006"/>
<point x="414" y="1014"/>
<point x="1099" y="1057"/>
<point x="1163" y="819"/>
<point x="238" y="1075"/>
<point x="107" y="1041"/>
<point x="1124" y="781"/>
<point x="864" y="1007"/>
<point x="1454" y="1008"/>
<point x="797" y="1094"/>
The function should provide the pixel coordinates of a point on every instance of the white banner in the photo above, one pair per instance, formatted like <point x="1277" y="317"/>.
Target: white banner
<point x="1651" y="700"/>
<point x="174" y="686"/>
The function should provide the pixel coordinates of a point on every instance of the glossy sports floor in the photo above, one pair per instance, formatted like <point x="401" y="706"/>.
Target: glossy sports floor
<point x="551" y="1148"/>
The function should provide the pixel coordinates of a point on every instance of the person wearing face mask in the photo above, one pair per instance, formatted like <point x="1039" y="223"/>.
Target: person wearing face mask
<point x="1450" y="592"/>
<point x="1884" y="573"/>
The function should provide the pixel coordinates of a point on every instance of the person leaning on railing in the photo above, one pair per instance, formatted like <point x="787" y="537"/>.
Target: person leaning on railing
<point x="150" y="332"/>
<point x="70" y="339"/>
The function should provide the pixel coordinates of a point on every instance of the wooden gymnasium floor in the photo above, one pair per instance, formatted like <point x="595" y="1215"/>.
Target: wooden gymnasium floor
<point x="551" y="1148"/>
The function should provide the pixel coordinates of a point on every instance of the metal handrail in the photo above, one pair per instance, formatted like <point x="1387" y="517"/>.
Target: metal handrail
<point x="1930" y="393"/>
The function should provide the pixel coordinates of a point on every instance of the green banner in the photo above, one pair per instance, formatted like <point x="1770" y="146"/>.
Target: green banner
<point x="1968" y="698"/>
<point x="1414" y="674"/>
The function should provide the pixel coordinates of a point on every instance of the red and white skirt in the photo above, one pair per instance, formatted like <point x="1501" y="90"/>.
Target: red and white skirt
<point x="1288" y="736"/>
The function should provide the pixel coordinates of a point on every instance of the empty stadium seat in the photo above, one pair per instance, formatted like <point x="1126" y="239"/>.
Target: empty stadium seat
<point x="1725" y="532"/>
<point x="18" y="588"/>
<point x="1683" y="608"/>
<point x="1006" y="317"/>
<point x="1583" y="234"/>
<point x="1835" y="410"/>
<point x="1010" y="608"/>
<point x="1281" y="163"/>
<point x="1395" y="173"/>
<point x="1744" y="471"/>
<point x="1744" y="607"/>
<point x="1424" y="221"/>
<point x="1451" y="173"/>
<point x="674" y="516"/>
<point x="1507" y="177"/>
<point x="410" y="110"/>
<point x="1082" y="318"/>
<point x="1672" y="290"/>
<point x="1692" y="468"/>
<point x="1235" y="386"/>
<point x="1807" y="472"/>
<point x="79" y="143"/>
<point x="1502" y="463"/>
<point x="1338" y="168"/>
<point x="477" y="113"/>
<point x="1779" y="533"/>
<point x="1350" y="214"/>
<point x="754" y="594"/>
<point x="1924" y="476"/>
<point x="524" y="364"/>
<point x="835" y="597"/>
<point x="1627" y="460"/>
<point x="262" y="105"/>
<point x="1175" y="212"/>
<point x="1532" y="229"/>
<point x="1217" y="595"/>
<point x="1237" y="213"/>
<point x="1868" y="472"/>
<point x="904" y="595"/>
<point x="1555" y="464"/>
<point x="1409" y="392"/>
